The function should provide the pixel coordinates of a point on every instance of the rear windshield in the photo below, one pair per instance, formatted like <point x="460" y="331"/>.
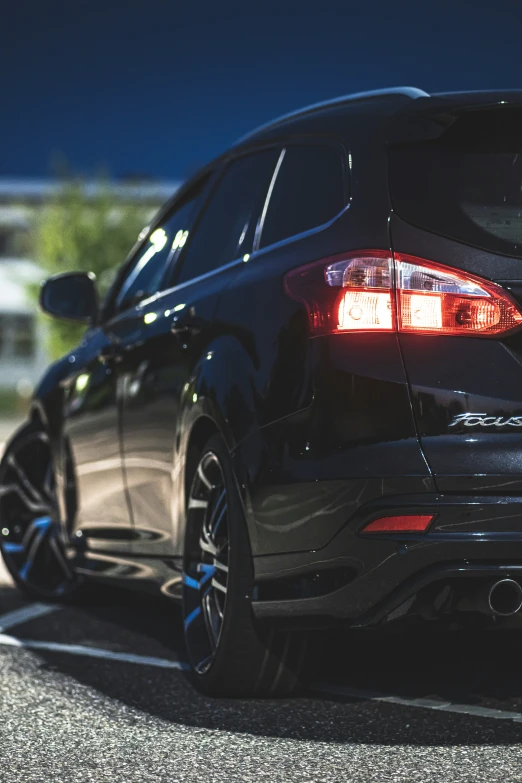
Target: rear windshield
<point x="467" y="184"/>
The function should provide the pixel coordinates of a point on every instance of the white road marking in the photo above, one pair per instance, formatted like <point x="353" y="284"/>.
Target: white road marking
<point x="36" y="610"/>
<point x="26" y="613"/>
<point x="91" y="652"/>
<point x="427" y="704"/>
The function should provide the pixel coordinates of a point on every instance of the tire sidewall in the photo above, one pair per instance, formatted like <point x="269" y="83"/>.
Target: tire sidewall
<point x="238" y="611"/>
<point x="25" y="433"/>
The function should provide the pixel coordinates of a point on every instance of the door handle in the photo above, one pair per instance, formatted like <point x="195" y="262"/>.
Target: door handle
<point x="183" y="325"/>
<point x="180" y="328"/>
<point x="109" y="353"/>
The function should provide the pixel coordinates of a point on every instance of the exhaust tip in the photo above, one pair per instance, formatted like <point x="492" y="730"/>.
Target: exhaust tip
<point x="505" y="597"/>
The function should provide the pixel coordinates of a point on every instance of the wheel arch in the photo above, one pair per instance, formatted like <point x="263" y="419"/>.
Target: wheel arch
<point x="202" y="430"/>
<point x="216" y="400"/>
<point x="220" y="397"/>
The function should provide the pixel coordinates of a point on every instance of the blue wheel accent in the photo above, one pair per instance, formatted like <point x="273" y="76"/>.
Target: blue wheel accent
<point x="192" y="616"/>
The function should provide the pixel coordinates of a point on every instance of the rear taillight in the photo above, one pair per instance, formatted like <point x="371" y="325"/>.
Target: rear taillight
<point x="435" y="299"/>
<point x="372" y="291"/>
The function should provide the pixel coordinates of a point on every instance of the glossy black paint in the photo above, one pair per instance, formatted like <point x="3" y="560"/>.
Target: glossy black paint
<point x="324" y="433"/>
<point x="452" y="375"/>
<point x="310" y="471"/>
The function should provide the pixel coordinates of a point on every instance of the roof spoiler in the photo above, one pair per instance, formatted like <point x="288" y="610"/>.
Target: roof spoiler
<point x="428" y="118"/>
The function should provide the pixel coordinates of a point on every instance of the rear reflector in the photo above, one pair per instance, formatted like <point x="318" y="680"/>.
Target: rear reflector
<point x="370" y="290"/>
<point x="417" y="523"/>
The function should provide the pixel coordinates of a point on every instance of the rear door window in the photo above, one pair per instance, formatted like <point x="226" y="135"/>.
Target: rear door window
<point x="226" y="229"/>
<point x="308" y="192"/>
<point x="466" y="184"/>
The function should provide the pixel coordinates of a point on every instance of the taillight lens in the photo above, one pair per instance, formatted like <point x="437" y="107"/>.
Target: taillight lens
<point x="371" y="291"/>
<point x="346" y="293"/>
<point x="434" y="299"/>
<point x="366" y="302"/>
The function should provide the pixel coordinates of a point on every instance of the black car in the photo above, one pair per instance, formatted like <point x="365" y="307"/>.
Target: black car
<point x="300" y="403"/>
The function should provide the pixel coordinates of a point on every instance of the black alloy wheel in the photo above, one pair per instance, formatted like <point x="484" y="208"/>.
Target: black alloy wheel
<point x="229" y="655"/>
<point x="206" y="569"/>
<point x="30" y="535"/>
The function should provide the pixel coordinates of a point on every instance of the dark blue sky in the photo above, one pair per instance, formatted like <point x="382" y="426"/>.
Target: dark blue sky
<point x="160" y="86"/>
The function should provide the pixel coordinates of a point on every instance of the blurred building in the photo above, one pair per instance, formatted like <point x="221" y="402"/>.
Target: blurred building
<point x="23" y="351"/>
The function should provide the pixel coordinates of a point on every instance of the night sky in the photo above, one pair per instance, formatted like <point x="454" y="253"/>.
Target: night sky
<point x="159" y="87"/>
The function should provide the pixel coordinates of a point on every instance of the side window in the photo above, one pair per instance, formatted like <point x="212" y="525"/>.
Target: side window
<point x="145" y="274"/>
<point x="309" y="191"/>
<point x="226" y="229"/>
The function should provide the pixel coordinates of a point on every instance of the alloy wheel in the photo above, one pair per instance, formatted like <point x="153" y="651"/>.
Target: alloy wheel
<point x="205" y="578"/>
<point x="30" y="536"/>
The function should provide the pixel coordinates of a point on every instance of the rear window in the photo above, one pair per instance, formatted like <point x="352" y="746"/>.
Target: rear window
<point x="309" y="191"/>
<point x="467" y="184"/>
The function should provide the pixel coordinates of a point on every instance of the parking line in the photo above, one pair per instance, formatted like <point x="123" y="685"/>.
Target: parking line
<point x="26" y="613"/>
<point x="91" y="652"/>
<point x="427" y="704"/>
<point x="36" y="610"/>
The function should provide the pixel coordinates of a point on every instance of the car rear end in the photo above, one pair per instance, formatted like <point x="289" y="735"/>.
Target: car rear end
<point x="455" y="175"/>
<point x="443" y="305"/>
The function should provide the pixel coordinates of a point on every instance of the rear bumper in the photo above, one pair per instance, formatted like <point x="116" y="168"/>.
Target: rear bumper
<point x="363" y="579"/>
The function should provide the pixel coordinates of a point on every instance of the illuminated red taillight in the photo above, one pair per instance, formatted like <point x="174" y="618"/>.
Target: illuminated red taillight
<point x="412" y="523"/>
<point x="370" y="290"/>
<point x="436" y="299"/>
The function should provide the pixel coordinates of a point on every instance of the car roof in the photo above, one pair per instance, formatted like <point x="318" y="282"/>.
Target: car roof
<point x="410" y="93"/>
<point x="387" y="102"/>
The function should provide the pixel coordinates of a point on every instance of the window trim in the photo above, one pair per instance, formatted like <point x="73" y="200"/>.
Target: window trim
<point x="186" y="283"/>
<point x="225" y="162"/>
<point x="309" y="141"/>
<point x="261" y="220"/>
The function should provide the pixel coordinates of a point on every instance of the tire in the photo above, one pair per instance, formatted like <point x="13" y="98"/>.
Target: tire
<point x="30" y="534"/>
<point x="229" y="654"/>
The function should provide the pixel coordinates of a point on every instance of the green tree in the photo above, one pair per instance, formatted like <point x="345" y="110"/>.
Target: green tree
<point x="84" y="227"/>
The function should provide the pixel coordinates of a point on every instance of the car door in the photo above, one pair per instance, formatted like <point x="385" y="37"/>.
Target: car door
<point x="145" y="353"/>
<point x="171" y="333"/>
<point x="92" y="440"/>
<point x="92" y="403"/>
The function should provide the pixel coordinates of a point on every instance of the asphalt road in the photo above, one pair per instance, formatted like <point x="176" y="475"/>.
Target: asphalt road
<point x="130" y="715"/>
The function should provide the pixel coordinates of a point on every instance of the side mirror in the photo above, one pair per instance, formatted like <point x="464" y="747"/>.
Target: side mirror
<point x="72" y="296"/>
